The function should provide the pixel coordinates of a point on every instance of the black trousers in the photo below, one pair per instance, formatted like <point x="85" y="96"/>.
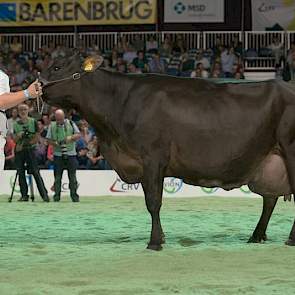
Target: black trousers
<point x="70" y="164"/>
<point x="25" y="159"/>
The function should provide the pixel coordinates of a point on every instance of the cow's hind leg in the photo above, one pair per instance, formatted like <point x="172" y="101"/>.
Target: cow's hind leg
<point x="286" y="137"/>
<point x="259" y="233"/>
<point x="153" y="186"/>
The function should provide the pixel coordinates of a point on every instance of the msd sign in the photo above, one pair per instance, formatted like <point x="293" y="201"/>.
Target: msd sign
<point x="194" y="11"/>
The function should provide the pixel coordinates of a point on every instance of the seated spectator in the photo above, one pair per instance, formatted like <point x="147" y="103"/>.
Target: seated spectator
<point x="107" y="64"/>
<point x="203" y="60"/>
<point x="238" y="69"/>
<point x="151" y="45"/>
<point x="199" y="72"/>
<point x="156" y="64"/>
<point x="9" y="152"/>
<point x="133" y="70"/>
<point x="82" y="157"/>
<point x="129" y="55"/>
<point x="86" y="134"/>
<point x="122" y="68"/>
<point x="59" y="51"/>
<point x="173" y="67"/>
<point x="187" y="65"/>
<point x="114" y="58"/>
<point x="216" y="71"/>
<point x="141" y="62"/>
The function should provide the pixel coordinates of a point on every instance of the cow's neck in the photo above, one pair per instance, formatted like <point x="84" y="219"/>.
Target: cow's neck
<point x="102" y="102"/>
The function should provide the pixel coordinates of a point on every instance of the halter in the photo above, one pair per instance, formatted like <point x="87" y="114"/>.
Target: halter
<point x="73" y="77"/>
<point x="90" y="65"/>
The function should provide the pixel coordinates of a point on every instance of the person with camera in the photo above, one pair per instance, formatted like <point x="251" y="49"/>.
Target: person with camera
<point x="62" y="134"/>
<point x="11" y="99"/>
<point x="25" y="133"/>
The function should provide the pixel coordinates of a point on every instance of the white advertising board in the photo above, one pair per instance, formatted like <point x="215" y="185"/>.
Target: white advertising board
<point x="194" y="11"/>
<point x="108" y="183"/>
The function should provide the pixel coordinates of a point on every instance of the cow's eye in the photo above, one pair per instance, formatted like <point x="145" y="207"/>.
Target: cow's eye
<point x="56" y="68"/>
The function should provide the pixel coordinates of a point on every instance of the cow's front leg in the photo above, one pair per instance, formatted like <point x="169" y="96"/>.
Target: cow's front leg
<point x="153" y="186"/>
<point x="259" y="233"/>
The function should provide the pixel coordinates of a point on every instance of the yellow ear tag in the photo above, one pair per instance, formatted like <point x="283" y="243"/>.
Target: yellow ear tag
<point x="92" y="63"/>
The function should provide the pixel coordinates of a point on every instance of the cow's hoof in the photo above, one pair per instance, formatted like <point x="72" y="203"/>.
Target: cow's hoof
<point x="290" y="242"/>
<point x="258" y="239"/>
<point x="154" y="247"/>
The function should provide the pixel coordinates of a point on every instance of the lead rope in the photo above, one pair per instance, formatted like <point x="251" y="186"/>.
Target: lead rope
<point x="39" y="99"/>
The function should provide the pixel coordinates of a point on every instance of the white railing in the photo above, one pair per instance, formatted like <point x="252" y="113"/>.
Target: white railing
<point x="28" y="41"/>
<point x="66" y="39"/>
<point x="210" y="39"/>
<point x="105" y="41"/>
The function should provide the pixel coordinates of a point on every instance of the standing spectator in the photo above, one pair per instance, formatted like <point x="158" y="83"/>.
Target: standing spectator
<point x="291" y="62"/>
<point x="277" y="51"/>
<point x="9" y="152"/>
<point x="15" y="46"/>
<point x="62" y="134"/>
<point x="151" y="45"/>
<point x="228" y="59"/>
<point x="12" y="120"/>
<point x="165" y="49"/>
<point x="138" y="43"/>
<point x="25" y="133"/>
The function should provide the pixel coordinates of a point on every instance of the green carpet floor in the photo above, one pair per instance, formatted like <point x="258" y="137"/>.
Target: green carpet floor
<point x="98" y="247"/>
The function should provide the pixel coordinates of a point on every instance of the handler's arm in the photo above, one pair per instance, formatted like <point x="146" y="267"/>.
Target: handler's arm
<point x="11" y="99"/>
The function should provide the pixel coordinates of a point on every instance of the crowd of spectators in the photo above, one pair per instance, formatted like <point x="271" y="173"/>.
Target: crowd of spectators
<point x="133" y="57"/>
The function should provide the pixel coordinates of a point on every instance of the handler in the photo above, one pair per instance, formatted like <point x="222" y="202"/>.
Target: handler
<point x="8" y="100"/>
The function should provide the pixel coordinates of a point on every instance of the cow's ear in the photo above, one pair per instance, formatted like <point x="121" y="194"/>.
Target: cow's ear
<point x="92" y="63"/>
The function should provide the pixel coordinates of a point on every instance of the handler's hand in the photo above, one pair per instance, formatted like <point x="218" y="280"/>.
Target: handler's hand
<point x="35" y="89"/>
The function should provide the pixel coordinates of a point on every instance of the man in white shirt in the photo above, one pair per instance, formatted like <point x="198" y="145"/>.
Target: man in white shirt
<point x="8" y="100"/>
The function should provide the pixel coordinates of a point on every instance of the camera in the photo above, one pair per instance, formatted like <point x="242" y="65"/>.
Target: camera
<point x="26" y="131"/>
<point x="64" y="149"/>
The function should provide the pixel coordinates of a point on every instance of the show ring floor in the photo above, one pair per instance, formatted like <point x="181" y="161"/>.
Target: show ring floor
<point x="98" y="246"/>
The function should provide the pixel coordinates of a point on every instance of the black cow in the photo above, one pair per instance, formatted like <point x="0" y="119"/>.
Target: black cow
<point x="208" y="134"/>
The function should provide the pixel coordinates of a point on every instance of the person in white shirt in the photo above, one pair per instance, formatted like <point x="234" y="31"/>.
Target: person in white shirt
<point x="11" y="99"/>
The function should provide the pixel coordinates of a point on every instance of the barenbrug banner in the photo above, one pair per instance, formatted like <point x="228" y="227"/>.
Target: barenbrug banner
<point x="77" y="12"/>
<point x="273" y="15"/>
<point x="193" y="11"/>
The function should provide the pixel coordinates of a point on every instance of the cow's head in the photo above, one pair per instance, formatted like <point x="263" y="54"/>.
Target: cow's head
<point x="61" y="80"/>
